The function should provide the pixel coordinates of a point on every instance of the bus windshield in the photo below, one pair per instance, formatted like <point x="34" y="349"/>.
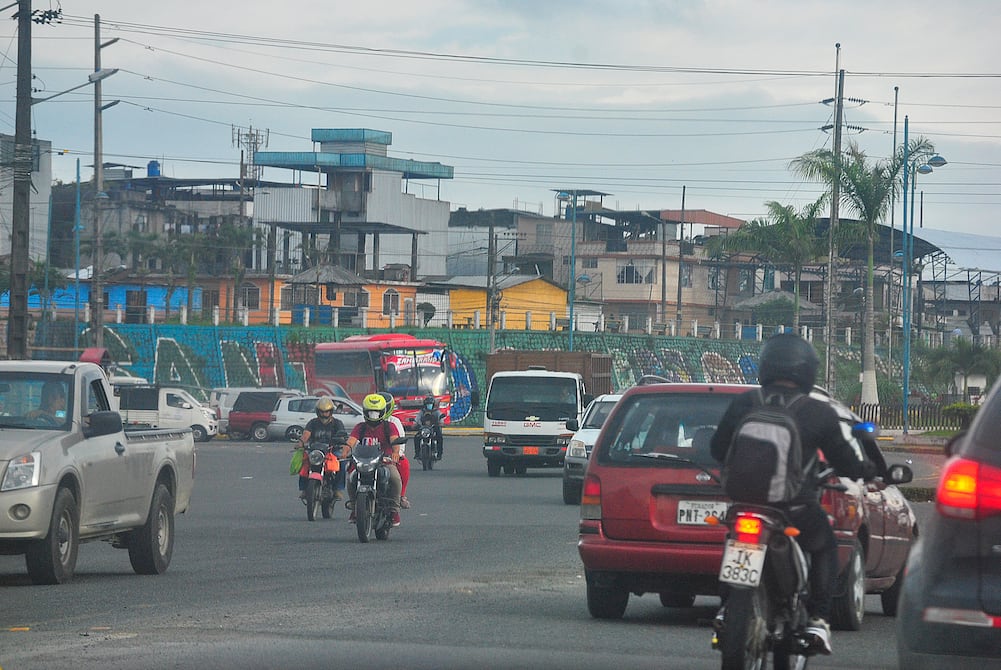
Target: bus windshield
<point x="410" y="373"/>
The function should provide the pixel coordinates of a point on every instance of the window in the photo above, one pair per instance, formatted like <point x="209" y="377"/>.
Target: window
<point x="544" y="234"/>
<point x="355" y="299"/>
<point x="391" y="302"/>
<point x="250" y="296"/>
<point x="686" y="275"/>
<point x="634" y="273"/>
<point x="330" y="292"/>
<point x="588" y="263"/>
<point x="745" y="284"/>
<point x="210" y="300"/>
<point x="714" y="277"/>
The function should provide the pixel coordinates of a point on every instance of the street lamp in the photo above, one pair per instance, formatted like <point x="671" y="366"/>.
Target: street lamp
<point x="908" y="231"/>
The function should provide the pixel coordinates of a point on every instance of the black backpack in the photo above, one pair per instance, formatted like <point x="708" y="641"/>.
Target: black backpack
<point x="764" y="463"/>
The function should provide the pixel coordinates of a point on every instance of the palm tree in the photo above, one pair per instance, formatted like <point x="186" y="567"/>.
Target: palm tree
<point x="961" y="358"/>
<point x="789" y="238"/>
<point x="867" y="189"/>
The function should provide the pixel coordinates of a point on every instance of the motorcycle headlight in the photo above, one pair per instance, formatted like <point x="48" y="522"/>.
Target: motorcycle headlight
<point x="577" y="449"/>
<point x="22" y="472"/>
<point x="316" y="457"/>
<point x="367" y="464"/>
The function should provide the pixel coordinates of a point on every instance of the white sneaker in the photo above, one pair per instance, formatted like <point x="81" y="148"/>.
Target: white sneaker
<point x="819" y="634"/>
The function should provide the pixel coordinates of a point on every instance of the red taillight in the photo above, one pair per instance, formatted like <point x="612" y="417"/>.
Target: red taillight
<point x="590" y="498"/>
<point x="748" y="529"/>
<point x="968" y="489"/>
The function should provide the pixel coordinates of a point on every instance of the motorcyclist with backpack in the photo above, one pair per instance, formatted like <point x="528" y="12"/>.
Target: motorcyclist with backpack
<point x="324" y="429"/>
<point x="787" y="370"/>
<point x="404" y="463"/>
<point x="429" y="415"/>
<point x="378" y="431"/>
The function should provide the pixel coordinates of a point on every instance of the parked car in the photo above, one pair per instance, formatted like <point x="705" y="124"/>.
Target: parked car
<point x="291" y="415"/>
<point x="579" y="449"/>
<point x="221" y="399"/>
<point x="643" y="517"/>
<point x="950" y="605"/>
<point x="251" y="413"/>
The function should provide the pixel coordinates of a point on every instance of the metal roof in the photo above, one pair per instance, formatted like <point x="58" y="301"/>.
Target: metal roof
<point x="965" y="250"/>
<point x="312" y="161"/>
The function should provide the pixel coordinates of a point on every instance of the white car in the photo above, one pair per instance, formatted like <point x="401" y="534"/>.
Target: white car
<point x="579" y="449"/>
<point x="291" y="415"/>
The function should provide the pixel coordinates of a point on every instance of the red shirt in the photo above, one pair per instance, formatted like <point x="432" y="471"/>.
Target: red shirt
<point x="381" y="436"/>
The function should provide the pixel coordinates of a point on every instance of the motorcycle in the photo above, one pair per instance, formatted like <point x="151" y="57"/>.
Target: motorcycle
<point x="372" y="508"/>
<point x="765" y="573"/>
<point x="425" y="447"/>
<point x="321" y="466"/>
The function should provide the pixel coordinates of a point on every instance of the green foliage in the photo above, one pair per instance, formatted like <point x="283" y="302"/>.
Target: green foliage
<point x="961" y="411"/>
<point x="775" y="312"/>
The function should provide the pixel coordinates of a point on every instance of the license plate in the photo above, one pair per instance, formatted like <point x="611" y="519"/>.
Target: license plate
<point x="695" y="512"/>
<point x="742" y="563"/>
<point x="530" y="451"/>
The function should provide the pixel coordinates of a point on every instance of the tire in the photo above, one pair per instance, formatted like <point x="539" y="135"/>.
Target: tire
<point x="783" y="659"/>
<point x="312" y="498"/>
<point x="199" y="434"/>
<point x="426" y="457"/>
<point x="890" y="598"/>
<point x="259" y="432"/>
<point x="52" y="560"/>
<point x="848" y="604"/>
<point x="520" y="469"/>
<point x="363" y="522"/>
<point x="669" y="599"/>
<point x="571" y="492"/>
<point x="293" y="433"/>
<point x="151" y="546"/>
<point x="744" y="640"/>
<point x="493" y="468"/>
<point x="604" y="602"/>
<point x="508" y="469"/>
<point x="382" y="530"/>
<point x="327" y="501"/>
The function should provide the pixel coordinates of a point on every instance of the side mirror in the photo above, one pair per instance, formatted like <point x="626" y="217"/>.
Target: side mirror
<point x="865" y="430"/>
<point x="103" y="423"/>
<point x="573" y="424"/>
<point x="899" y="474"/>
<point x="185" y="405"/>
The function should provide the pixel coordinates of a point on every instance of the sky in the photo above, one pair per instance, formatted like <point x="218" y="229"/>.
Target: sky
<point x="636" y="99"/>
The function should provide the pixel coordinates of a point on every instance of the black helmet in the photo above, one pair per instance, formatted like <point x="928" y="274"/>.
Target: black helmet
<point x="430" y="403"/>
<point x="788" y="357"/>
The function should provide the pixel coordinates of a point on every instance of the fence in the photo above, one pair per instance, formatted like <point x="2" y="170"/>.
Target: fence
<point x="924" y="416"/>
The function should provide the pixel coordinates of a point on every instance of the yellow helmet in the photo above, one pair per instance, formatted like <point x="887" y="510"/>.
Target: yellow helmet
<point x="390" y="404"/>
<point x="374" y="407"/>
<point x="324" y="406"/>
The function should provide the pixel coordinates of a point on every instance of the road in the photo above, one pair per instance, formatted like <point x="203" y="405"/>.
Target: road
<point x="483" y="572"/>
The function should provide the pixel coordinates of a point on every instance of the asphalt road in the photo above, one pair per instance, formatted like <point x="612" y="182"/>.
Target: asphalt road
<point x="483" y="572"/>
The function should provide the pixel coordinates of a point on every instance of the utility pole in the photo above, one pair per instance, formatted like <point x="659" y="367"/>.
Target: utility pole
<point x="17" y="317"/>
<point x="97" y="288"/>
<point x="831" y="259"/>
<point x="491" y="267"/>
<point x="681" y="260"/>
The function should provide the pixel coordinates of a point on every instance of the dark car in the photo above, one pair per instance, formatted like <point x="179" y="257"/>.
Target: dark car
<point x="950" y="605"/>
<point x="651" y="483"/>
<point x="251" y="413"/>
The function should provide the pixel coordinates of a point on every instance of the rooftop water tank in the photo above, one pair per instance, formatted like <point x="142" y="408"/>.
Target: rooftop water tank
<point x="153" y="169"/>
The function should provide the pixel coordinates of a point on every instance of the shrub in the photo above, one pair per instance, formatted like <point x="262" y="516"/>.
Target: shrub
<point x="960" y="411"/>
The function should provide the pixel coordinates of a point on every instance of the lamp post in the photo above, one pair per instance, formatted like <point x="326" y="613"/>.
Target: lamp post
<point x="76" y="275"/>
<point x="910" y="171"/>
<point x="570" y="195"/>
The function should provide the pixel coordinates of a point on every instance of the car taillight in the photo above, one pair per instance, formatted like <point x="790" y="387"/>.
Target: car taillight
<point x="590" y="499"/>
<point x="273" y="418"/>
<point x="968" y="489"/>
<point x="748" y="529"/>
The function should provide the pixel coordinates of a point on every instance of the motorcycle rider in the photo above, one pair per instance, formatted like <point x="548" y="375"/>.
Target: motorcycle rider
<point x="324" y="429"/>
<point x="788" y="367"/>
<point x="404" y="463"/>
<point x="429" y="414"/>
<point x="378" y="431"/>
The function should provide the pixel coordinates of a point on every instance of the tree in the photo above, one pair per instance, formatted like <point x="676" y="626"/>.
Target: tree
<point x="234" y="241"/>
<point x="866" y="191"/>
<point x="788" y="239"/>
<point x="960" y="358"/>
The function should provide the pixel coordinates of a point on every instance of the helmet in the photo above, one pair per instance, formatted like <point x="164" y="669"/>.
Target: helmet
<point x="325" y="408"/>
<point x="430" y="403"/>
<point x="390" y="404"/>
<point x="374" y="406"/>
<point x="788" y="357"/>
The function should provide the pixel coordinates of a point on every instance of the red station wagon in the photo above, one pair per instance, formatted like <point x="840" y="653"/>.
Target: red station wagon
<point x="651" y="483"/>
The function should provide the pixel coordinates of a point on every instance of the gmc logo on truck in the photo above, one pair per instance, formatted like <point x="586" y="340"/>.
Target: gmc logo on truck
<point x="532" y="424"/>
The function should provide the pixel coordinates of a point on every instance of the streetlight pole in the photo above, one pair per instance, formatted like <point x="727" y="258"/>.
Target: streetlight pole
<point x="97" y="289"/>
<point x="573" y="262"/>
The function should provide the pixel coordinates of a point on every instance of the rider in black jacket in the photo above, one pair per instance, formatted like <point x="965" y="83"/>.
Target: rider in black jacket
<point x="429" y="414"/>
<point x="788" y="366"/>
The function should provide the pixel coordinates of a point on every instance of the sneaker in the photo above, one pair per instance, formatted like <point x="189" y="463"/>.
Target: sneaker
<point x="352" y="517"/>
<point x="404" y="503"/>
<point x="350" y="504"/>
<point x="396" y="518"/>
<point x="818" y="634"/>
<point x="302" y="495"/>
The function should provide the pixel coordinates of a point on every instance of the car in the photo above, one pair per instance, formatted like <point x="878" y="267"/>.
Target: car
<point x="949" y="615"/>
<point x="585" y="433"/>
<point x="643" y="523"/>
<point x="251" y="413"/>
<point x="291" y="415"/>
<point x="221" y="399"/>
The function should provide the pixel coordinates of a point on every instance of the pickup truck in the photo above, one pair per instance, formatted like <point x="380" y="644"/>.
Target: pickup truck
<point x="69" y="473"/>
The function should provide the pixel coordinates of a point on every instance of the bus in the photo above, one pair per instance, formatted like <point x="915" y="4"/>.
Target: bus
<point x="408" y="367"/>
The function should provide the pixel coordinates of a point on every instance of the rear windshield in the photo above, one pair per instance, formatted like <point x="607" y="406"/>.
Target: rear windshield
<point x="256" y="401"/>
<point x="675" y="424"/>
<point x="597" y="413"/>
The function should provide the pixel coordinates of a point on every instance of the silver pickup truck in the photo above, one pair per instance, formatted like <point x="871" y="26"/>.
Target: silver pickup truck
<point x="69" y="473"/>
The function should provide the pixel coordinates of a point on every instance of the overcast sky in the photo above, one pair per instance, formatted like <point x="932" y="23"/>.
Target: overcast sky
<point x="635" y="99"/>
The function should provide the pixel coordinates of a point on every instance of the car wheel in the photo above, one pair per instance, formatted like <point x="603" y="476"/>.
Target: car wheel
<point x="52" y="560"/>
<point x="151" y="547"/>
<point x="509" y="469"/>
<point x="259" y="432"/>
<point x="520" y="469"/>
<point x="848" y="604"/>
<point x="890" y="598"/>
<point x="293" y="433"/>
<point x="493" y="468"/>
<point x="605" y="602"/>
<point x="199" y="434"/>
<point x="571" y="492"/>
<point x="674" y="599"/>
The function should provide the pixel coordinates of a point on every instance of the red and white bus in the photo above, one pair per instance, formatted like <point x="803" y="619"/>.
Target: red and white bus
<point x="410" y="368"/>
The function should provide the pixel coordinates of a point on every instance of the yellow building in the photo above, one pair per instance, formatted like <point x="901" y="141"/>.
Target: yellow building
<point x="522" y="302"/>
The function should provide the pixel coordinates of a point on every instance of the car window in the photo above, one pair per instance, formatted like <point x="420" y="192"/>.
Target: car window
<point x="676" y="424"/>
<point x="303" y="406"/>
<point x="256" y="401"/>
<point x="344" y="408"/>
<point x="598" y="413"/>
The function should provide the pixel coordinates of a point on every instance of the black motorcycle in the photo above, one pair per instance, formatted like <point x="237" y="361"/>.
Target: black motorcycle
<point x="372" y="502"/>
<point x="425" y="447"/>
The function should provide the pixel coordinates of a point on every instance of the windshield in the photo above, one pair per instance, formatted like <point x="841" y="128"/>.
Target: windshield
<point x="675" y="424"/>
<point x="411" y="374"/>
<point x="38" y="401"/>
<point x="598" y="412"/>
<point x="545" y="398"/>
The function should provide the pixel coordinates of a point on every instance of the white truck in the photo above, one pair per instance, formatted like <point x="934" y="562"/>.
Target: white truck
<point x="525" y="418"/>
<point x="151" y="406"/>
<point x="69" y="473"/>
